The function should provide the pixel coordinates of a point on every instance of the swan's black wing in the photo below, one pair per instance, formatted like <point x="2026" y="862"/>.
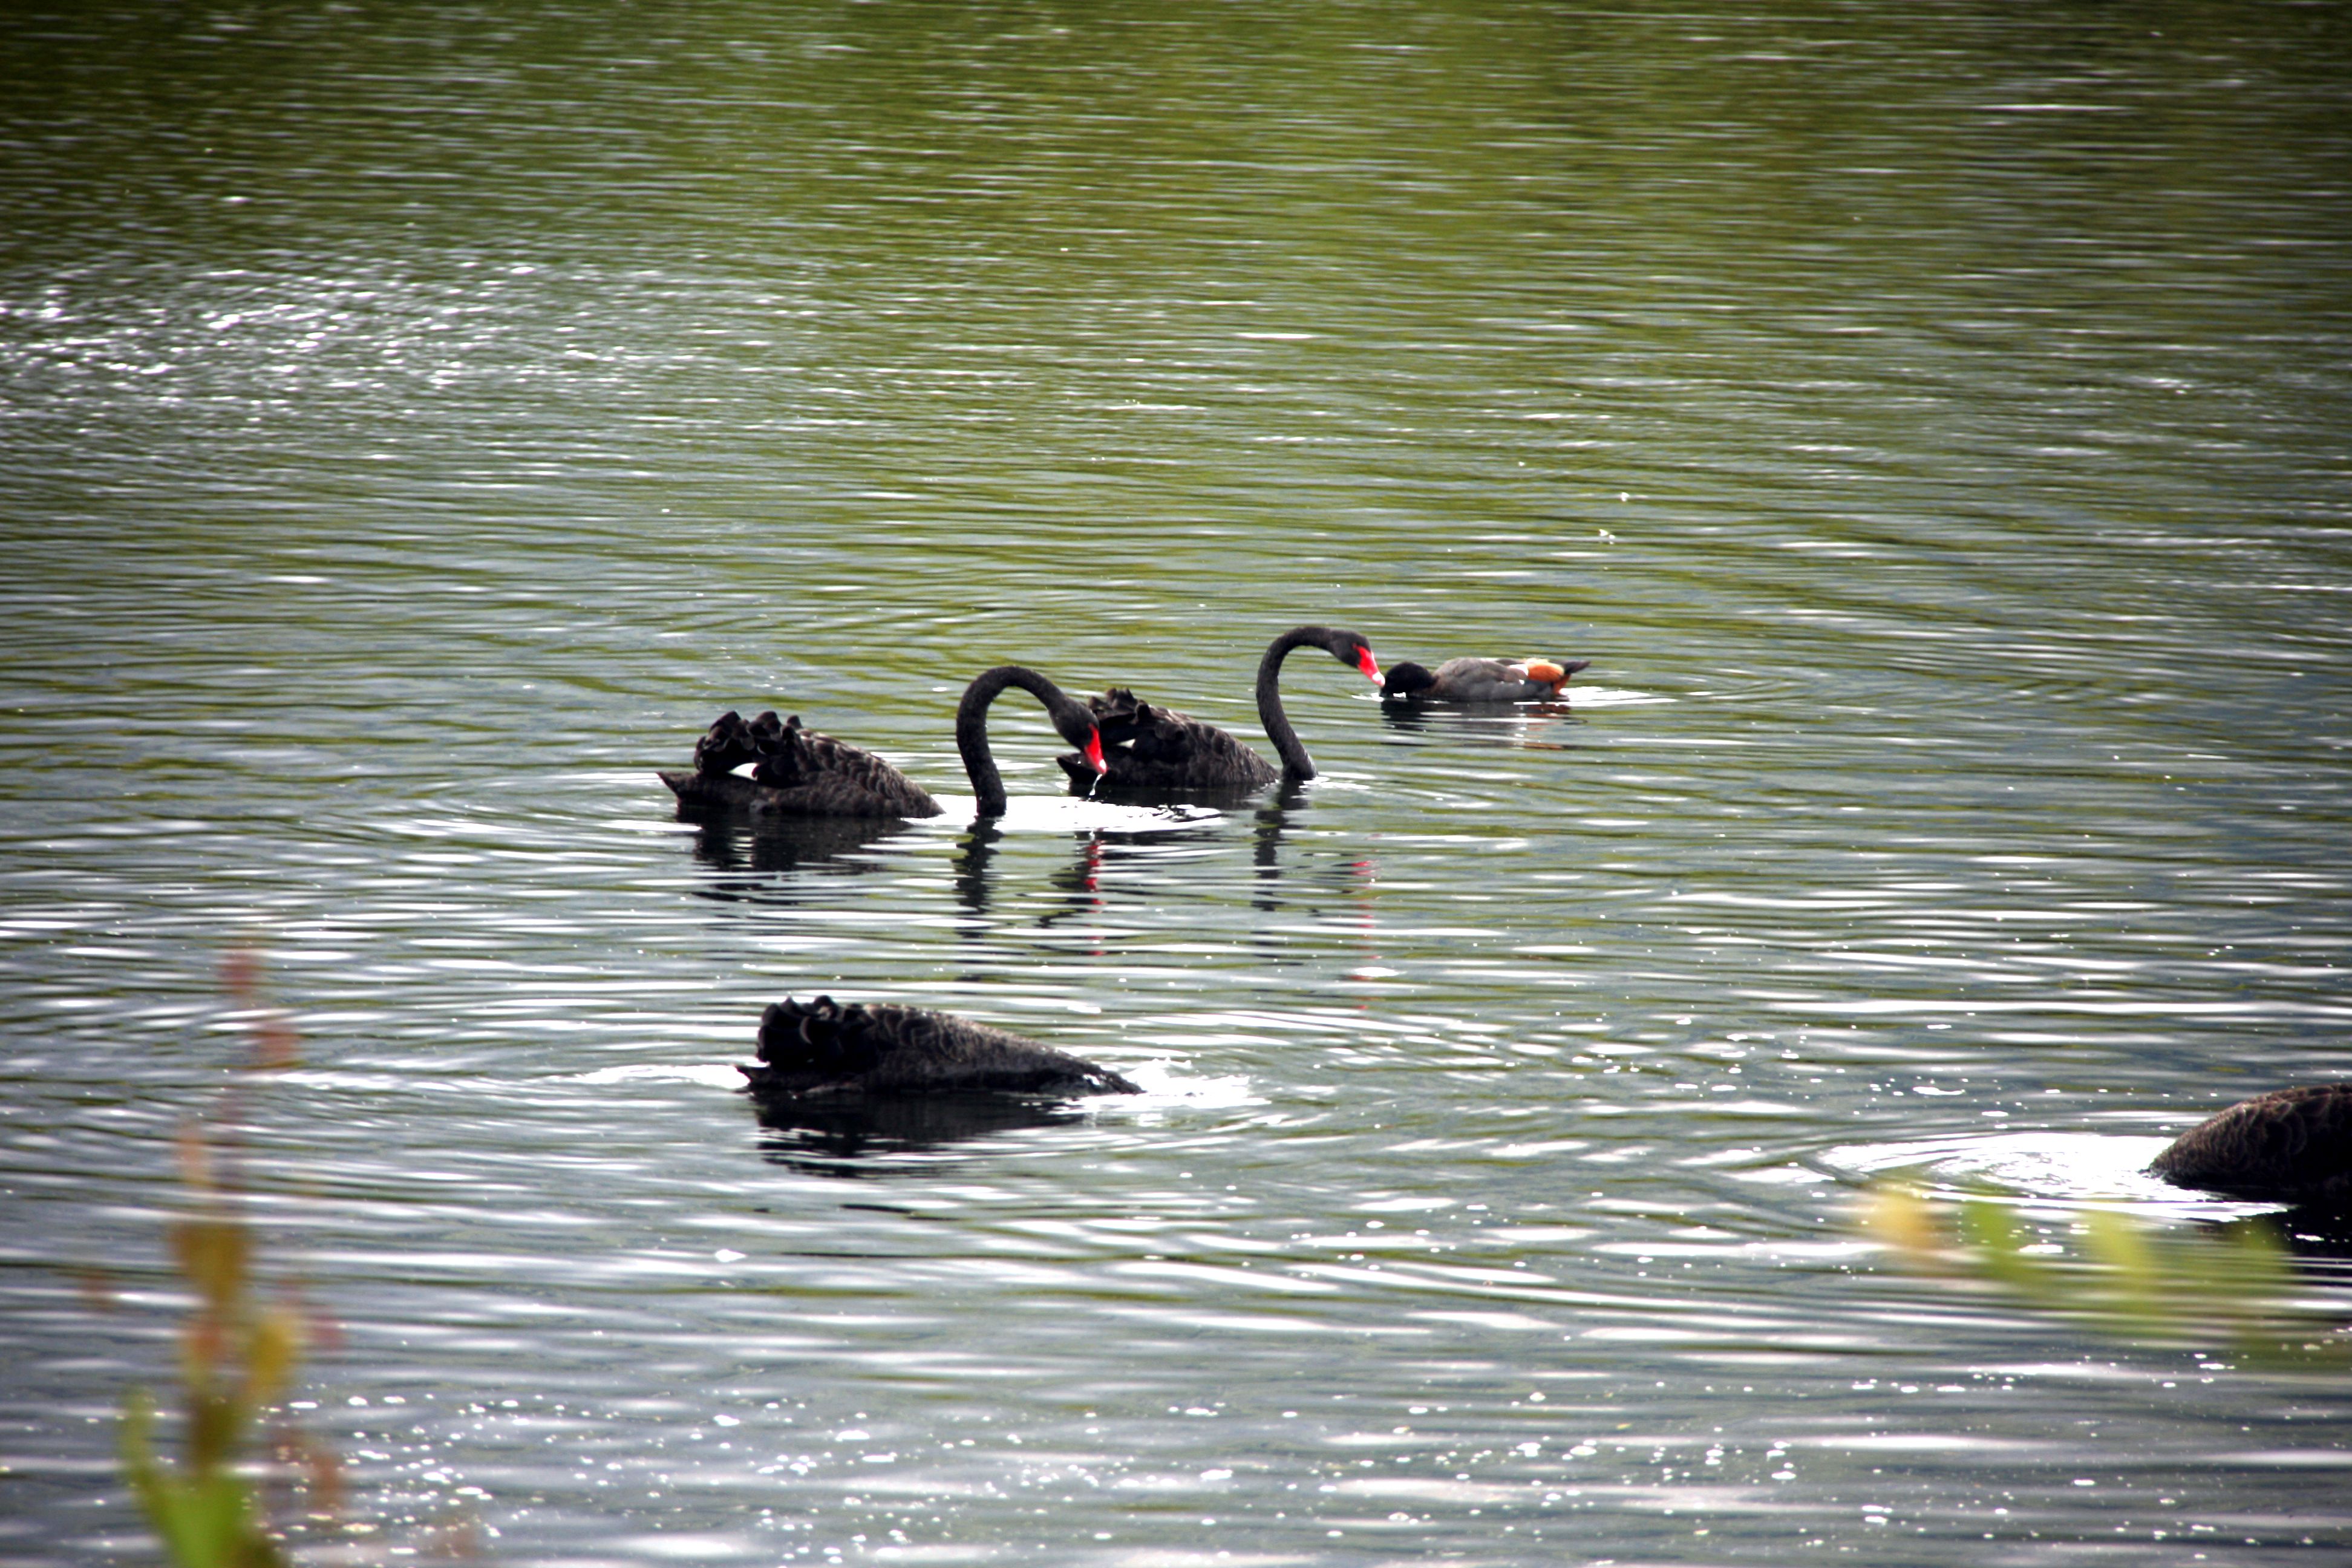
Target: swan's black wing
<point x="800" y="773"/>
<point x="825" y="1048"/>
<point x="2291" y="1143"/>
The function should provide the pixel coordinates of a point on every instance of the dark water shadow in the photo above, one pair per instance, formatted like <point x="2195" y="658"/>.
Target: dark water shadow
<point x="2321" y="1234"/>
<point x="751" y="855"/>
<point x="850" y="1137"/>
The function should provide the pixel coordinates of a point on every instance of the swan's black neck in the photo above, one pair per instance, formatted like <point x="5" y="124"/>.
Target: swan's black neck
<point x="1297" y="765"/>
<point x="971" y="726"/>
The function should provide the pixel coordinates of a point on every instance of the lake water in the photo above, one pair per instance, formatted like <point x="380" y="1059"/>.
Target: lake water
<point x="1931" y="422"/>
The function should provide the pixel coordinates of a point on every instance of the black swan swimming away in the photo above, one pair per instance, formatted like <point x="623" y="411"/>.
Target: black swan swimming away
<point x="2291" y="1143"/>
<point x="1071" y="718"/>
<point x="1161" y="748"/>
<point x="1481" y="680"/>
<point x="825" y="1048"/>
<point x="800" y="773"/>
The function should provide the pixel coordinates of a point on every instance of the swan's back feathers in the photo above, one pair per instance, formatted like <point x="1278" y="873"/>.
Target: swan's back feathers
<point x="823" y="1047"/>
<point x="799" y="773"/>
<point x="803" y="759"/>
<point x="1161" y="748"/>
<point x="727" y="745"/>
<point x="2289" y="1143"/>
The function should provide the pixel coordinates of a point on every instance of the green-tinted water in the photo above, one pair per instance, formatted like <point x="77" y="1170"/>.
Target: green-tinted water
<point x="415" y="425"/>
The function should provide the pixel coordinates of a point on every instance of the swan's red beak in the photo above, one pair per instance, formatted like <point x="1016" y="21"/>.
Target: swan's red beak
<point x="1369" y="666"/>
<point x="1094" y="751"/>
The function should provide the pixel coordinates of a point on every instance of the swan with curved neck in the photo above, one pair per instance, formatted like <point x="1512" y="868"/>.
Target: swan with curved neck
<point x="1072" y="719"/>
<point x="799" y="773"/>
<point x="1480" y="681"/>
<point x="1161" y="748"/>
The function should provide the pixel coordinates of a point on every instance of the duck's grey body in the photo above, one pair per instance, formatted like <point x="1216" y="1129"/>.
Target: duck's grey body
<point x="1481" y="680"/>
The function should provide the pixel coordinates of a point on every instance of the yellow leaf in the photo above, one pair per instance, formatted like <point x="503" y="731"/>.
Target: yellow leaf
<point x="271" y="1360"/>
<point x="1899" y="1218"/>
<point x="213" y="1253"/>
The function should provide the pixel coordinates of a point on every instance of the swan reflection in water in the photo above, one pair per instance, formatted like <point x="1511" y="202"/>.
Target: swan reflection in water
<point x="860" y="1137"/>
<point x="1341" y="880"/>
<point x="1098" y="855"/>
<point x="751" y="853"/>
<point x="1079" y="880"/>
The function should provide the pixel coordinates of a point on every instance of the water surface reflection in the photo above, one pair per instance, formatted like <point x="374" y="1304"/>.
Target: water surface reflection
<point x="1536" y="726"/>
<point x="770" y="847"/>
<point x="865" y="1136"/>
<point x="1889" y="397"/>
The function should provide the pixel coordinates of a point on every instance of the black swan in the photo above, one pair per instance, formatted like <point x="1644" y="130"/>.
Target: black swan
<point x="1481" y="680"/>
<point x="1161" y="748"/>
<point x="2291" y="1143"/>
<point x="800" y="773"/>
<point x="825" y="1048"/>
<point x="1070" y="717"/>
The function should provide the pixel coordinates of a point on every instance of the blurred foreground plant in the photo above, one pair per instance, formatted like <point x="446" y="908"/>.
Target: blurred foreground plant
<point x="238" y="1353"/>
<point x="2233" y="1284"/>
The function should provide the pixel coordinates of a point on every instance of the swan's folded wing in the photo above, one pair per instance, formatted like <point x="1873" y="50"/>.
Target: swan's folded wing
<point x="2295" y="1142"/>
<point x="885" y="1050"/>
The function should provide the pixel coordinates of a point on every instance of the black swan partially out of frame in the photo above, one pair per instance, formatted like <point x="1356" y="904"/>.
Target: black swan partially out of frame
<point x="1480" y="681"/>
<point x="2293" y="1144"/>
<point x="1150" y="748"/>
<point x="825" y="1048"/>
<point x="800" y="773"/>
